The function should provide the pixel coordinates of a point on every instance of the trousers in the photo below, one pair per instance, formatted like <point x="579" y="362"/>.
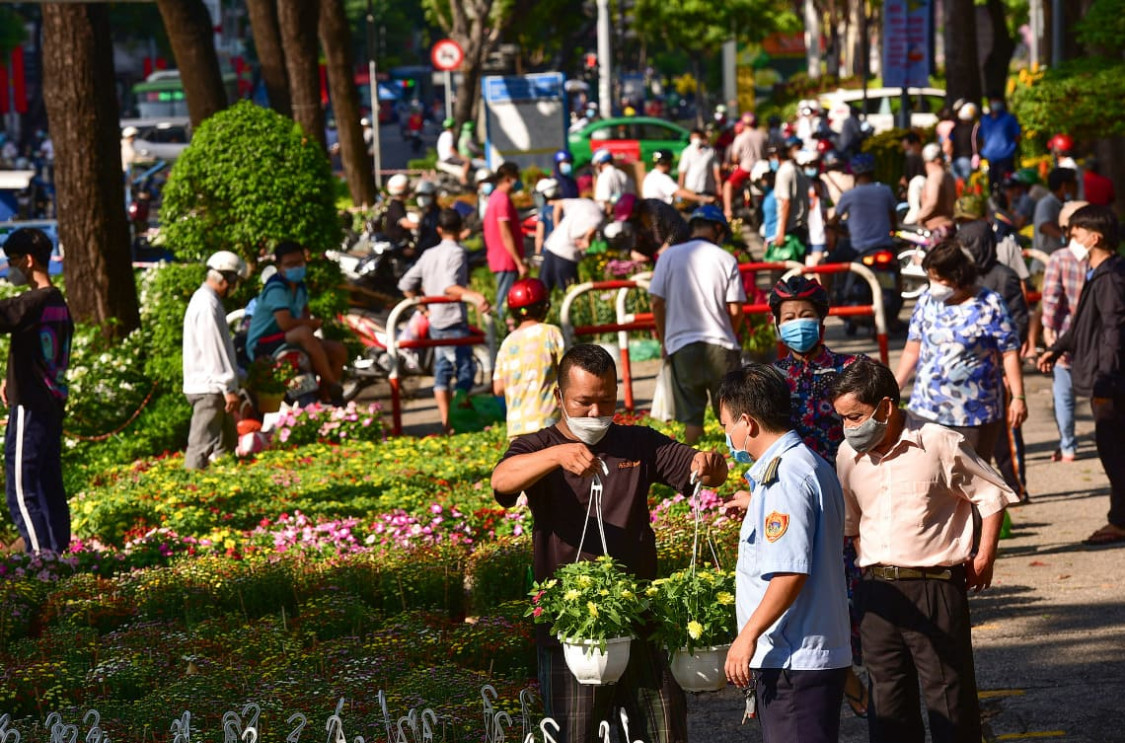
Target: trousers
<point x="212" y="432"/>
<point x="1109" y="434"/>
<point x="34" y="484"/>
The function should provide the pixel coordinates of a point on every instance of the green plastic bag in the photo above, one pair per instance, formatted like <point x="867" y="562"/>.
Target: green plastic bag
<point x="1006" y="527"/>
<point x="792" y="250"/>
<point x="484" y="411"/>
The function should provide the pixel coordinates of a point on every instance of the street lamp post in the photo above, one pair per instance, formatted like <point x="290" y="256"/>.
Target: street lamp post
<point x="373" y="84"/>
<point x="605" y="100"/>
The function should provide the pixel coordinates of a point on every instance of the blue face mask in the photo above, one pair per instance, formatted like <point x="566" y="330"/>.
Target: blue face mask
<point x="294" y="275"/>
<point x="486" y="189"/>
<point x="517" y="186"/>
<point x="774" y="165"/>
<point x="801" y="334"/>
<point x="565" y="168"/>
<point x="739" y="455"/>
<point x="812" y="172"/>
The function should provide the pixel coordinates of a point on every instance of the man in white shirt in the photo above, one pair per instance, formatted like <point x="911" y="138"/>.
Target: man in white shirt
<point x="210" y="368"/>
<point x="610" y="183"/>
<point x="447" y="151"/>
<point x="658" y="184"/>
<point x="697" y="297"/>
<point x="699" y="166"/>
<point x="568" y="242"/>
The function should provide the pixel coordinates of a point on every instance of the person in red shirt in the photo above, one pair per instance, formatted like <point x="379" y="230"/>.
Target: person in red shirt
<point x="502" y="241"/>
<point x="1098" y="188"/>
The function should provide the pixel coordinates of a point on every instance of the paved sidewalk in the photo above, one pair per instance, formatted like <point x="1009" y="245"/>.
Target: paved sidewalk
<point x="1049" y="636"/>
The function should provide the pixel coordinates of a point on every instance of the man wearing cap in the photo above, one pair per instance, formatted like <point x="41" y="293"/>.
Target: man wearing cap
<point x="910" y="491"/>
<point x="699" y="166"/>
<point x="868" y="209"/>
<point x="210" y="366"/>
<point x="128" y="154"/>
<point x="697" y="297"/>
<point x="658" y="184"/>
<point x="610" y="182"/>
<point x="35" y="393"/>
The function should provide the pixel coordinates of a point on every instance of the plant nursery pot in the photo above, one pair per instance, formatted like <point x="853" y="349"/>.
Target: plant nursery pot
<point x="590" y="665"/>
<point x="270" y="402"/>
<point x="701" y="671"/>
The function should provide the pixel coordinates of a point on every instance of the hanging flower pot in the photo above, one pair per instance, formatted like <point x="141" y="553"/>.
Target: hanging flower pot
<point x="702" y="670"/>
<point x="593" y="666"/>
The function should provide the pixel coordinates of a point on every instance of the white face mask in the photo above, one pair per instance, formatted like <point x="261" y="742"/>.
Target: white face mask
<point x="588" y="429"/>
<point x="940" y="292"/>
<point x="1078" y="250"/>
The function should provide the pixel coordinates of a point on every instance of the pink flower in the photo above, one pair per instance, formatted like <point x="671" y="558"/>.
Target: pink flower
<point x="538" y="611"/>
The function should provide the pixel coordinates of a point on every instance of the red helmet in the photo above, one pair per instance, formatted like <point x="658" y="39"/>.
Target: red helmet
<point x="1061" y="143"/>
<point x="799" y="288"/>
<point x="823" y="145"/>
<point x="526" y="293"/>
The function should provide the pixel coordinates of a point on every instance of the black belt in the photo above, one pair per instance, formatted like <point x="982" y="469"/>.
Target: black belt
<point x="892" y="573"/>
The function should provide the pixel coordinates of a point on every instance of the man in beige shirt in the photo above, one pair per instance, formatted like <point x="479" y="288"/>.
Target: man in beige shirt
<point x="910" y="490"/>
<point x="939" y="194"/>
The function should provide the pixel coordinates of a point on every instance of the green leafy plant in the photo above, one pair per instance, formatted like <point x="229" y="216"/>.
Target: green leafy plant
<point x="249" y="179"/>
<point x="694" y="608"/>
<point x="269" y="377"/>
<point x="589" y="600"/>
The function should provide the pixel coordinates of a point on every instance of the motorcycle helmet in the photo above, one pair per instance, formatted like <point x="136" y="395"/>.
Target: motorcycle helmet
<point x="425" y="188"/>
<point x="932" y="152"/>
<point x="806" y="157"/>
<point x="623" y="209"/>
<point x="863" y="163"/>
<point x="662" y="156"/>
<point x="967" y="111"/>
<point x="1061" y="143"/>
<point x="562" y="156"/>
<point x="482" y="175"/>
<point x="398" y="185"/>
<point x="601" y="156"/>
<point x="468" y="126"/>
<point x="226" y="262"/>
<point x="799" y="288"/>
<point x="129" y="132"/>
<point x="528" y="296"/>
<point x="710" y="213"/>
<point x="831" y="159"/>
<point x="449" y="123"/>
<point x="548" y="188"/>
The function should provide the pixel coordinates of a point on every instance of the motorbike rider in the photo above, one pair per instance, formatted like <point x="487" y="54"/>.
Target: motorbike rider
<point x="835" y="178"/>
<point x="610" y="182"/>
<point x="397" y="226"/>
<point x="426" y="196"/>
<point x="564" y="174"/>
<point x="447" y="150"/>
<point x="282" y="317"/>
<point x="659" y="185"/>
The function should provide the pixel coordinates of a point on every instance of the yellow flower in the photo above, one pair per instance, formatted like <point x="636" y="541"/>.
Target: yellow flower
<point x="694" y="630"/>
<point x="725" y="598"/>
<point x="603" y="592"/>
<point x="570" y="595"/>
<point x="652" y="591"/>
<point x="626" y="594"/>
<point x="594" y="609"/>
<point x="584" y="581"/>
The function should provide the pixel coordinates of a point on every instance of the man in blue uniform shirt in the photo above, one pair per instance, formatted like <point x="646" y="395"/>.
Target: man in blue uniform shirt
<point x="793" y="644"/>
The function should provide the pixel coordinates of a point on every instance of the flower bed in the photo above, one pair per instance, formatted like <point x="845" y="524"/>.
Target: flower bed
<point x="292" y="579"/>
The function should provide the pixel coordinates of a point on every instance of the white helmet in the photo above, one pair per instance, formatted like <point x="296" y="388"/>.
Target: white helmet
<point x="759" y="170"/>
<point x="967" y="112"/>
<point x="129" y="131"/>
<point x="227" y="262"/>
<point x="931" y="152"/>
<point x="483" y="174"/>
<point x="548" y="188"/>
<point x="807" y="157"/>
<point x="398" y="185"/>
<point x="425" y="187"/>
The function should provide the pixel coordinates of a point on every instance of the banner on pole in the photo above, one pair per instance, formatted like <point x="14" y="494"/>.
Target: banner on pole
<point x="906" y="43"/>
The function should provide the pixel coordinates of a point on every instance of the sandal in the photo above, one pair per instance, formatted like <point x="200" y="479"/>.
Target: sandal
<point x="1108" y="534"/>
<point x="858" y="704"/>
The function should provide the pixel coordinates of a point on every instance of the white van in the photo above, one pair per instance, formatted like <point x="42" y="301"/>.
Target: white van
<point x="883" y="105"/>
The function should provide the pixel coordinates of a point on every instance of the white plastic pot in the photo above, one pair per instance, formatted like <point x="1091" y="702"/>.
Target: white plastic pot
<point x="592" y="666"/>
<point x="701" y="671"/>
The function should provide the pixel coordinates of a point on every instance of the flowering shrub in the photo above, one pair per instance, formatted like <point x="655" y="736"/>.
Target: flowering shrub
<point x="693" y="608"/>
<point x="589" y="600"/>
<point x="316" y="422"/>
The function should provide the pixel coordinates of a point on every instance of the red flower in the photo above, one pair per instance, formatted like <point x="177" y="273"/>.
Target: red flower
<point x="538" y="611"/>
<point x="536" y="599"/>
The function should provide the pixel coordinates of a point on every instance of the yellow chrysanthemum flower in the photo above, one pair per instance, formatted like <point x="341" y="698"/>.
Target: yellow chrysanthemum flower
<point x="594" y="609"/>
<point x="694" y="630"/>
<point x="725" y="598"/>
<point x="570" y="595"/>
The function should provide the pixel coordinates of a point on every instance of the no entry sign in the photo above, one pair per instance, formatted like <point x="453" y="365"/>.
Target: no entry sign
<point x="447" y="55"/>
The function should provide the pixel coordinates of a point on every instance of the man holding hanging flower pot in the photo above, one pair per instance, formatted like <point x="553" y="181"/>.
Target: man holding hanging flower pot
<point x="587" y="482"/>
<point x="793" y="648"/>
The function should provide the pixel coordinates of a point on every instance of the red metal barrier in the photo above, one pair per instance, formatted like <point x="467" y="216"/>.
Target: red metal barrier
<point x="393" y="345"/>
<point x="621" y="327"/>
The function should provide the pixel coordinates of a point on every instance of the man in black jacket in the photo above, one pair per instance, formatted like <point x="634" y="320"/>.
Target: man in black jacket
<point x="1096" y="340"/>
<point x="979" y="239"/>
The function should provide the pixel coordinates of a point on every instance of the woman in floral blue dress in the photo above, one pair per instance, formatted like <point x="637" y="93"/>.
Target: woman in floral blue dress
<point x="961" y="346"/>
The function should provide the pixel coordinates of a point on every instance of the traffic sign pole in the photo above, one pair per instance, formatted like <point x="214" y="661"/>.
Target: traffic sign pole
<point x="447" y="55"/>
<point x="448" y="94"/>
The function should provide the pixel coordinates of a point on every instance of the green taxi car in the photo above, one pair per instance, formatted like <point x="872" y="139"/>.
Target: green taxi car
<point x="630" y="139"/>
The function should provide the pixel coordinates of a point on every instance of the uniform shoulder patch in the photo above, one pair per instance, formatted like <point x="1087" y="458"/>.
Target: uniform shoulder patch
<point x="776" y="525"/>
<point x="770" y="475"/>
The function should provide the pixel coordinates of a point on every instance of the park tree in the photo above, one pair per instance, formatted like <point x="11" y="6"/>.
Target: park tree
<point x="962" y="64"/>
<point x="82" y="107"/>
<point x="336" y="40"/>
<point x="271" y="56"/>
<point x="191" y="32"/>
<point x="298" y="21"/>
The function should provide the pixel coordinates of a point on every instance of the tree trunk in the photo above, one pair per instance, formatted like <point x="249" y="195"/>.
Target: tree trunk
<point x="335" y="37"/>
<point x="468" y="93"/>
<point x="962" y="70"/>
<point x="298" y="21"/>
<point x="995" y="67"/>
<point x="833" y="59"/>
<point x="812" y="39"/>
<point x="191" y="32"/>
<point x="82" y="105"/>
<point x="271" y="56"/>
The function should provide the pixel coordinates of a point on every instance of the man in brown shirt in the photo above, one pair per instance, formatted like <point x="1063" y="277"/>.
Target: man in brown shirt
<point x="939" y="195"/>
<point x="555" y="468"/>
<point x="910" y="490"/>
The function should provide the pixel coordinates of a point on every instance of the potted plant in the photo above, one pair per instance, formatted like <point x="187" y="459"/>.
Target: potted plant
<point x="695" y="615"/>
<point x="268" y="380"/>
<point x="593" y="607"/>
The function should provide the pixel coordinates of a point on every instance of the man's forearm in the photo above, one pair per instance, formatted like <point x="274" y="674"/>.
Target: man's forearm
<point x="658" y="317"/>
<point x="782" y="591"/>
<point x="520" y="472"/>
<point x="782" y="217"/>
<point x="508" y="237"/>
<point x="990" y="535"/>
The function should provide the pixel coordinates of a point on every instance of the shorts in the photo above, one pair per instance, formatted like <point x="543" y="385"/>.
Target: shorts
<point x="697" y="370"/>
<point x="557" y="271"/>
<point x="737" y="177"/>
<point x="267" y="344"/>
<point x="452" y="359"/>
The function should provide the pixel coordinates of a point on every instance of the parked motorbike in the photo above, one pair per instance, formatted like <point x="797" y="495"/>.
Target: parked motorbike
<point x="303" y="387"/>
<point x="852" y="290"/>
